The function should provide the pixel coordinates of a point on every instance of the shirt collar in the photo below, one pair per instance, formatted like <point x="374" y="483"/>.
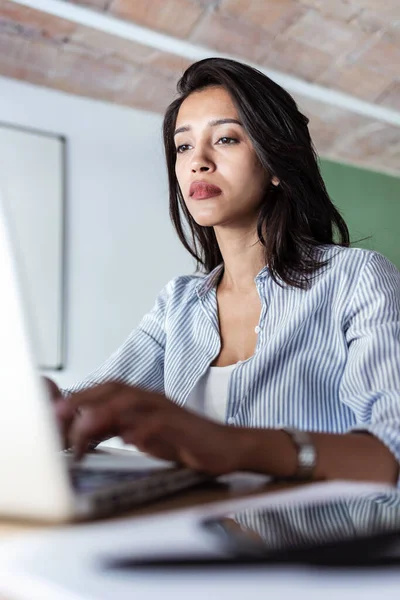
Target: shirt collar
<point x="210" y="280"/>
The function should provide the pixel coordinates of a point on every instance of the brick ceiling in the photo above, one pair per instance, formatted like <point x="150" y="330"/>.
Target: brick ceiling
<point x="351" y="46"/>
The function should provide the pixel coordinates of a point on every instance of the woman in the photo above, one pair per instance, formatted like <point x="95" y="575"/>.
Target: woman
<point x="286" y="329"/>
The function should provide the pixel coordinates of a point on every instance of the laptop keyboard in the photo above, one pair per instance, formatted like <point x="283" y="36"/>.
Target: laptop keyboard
<point x="89" y="480"/>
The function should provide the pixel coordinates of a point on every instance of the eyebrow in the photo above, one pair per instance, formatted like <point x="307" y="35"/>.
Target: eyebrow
<point x="214" y="123"/>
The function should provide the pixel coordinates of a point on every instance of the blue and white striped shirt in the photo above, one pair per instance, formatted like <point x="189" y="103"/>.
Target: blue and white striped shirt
<point x="327" y="358"/>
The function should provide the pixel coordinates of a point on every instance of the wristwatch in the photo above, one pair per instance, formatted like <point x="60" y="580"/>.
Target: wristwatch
<point x="306" y="452"/>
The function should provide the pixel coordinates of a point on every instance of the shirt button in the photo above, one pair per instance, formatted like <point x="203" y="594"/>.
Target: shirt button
<point x="231" y="420"/>
<point x="257" y="329"/>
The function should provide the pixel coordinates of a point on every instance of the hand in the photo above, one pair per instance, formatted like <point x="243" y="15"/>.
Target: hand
<point x="64" y="422"/>
<point x="64" y="415"/>
<point x="155" y="425"/>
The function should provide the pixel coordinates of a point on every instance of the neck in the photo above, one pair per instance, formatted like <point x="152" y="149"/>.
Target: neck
<point x="243" y="257"/>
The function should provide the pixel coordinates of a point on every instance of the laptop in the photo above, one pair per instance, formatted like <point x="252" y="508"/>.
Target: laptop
<point x="38" y="480"/>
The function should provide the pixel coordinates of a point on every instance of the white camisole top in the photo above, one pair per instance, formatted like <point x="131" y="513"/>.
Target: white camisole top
<point x="209" y="397"/>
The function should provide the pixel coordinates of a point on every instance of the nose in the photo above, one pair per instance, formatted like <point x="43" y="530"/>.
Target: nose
<point x="198" y="167"/>
<point x="201" y="162"/>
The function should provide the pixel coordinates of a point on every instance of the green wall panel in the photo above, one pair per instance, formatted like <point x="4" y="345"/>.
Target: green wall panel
<point x="369" y="203"/>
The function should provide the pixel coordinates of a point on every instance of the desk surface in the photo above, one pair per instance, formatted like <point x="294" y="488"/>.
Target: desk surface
<point x="54" y="555"/>
<point x="239" y="486"/>
<point x="60" y="563"/>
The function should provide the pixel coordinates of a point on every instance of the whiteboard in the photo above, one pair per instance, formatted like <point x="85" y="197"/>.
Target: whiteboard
<point x="32" y="187"/>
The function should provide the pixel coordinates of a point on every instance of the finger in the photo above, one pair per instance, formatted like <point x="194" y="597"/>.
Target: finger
<point x="95" y="394"/>
<point x="139" y="399"/>
<point x="91" y="423"/>
<point x="64" y="409"/>
<point x="97" y="419"/>
<point x="52" y="388"/>
<point x="64" y="416"/>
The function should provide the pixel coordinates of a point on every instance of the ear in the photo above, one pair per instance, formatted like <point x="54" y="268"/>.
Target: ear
<point x="275" y="181"/>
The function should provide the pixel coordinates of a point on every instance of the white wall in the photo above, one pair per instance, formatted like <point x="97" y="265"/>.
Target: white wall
<point x="121" y="247"/>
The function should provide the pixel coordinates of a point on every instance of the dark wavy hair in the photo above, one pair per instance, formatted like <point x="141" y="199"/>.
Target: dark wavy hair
<point x="297" y="215"/>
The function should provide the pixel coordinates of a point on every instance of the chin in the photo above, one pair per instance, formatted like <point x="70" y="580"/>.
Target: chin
<point x="206" y="221"/>
<point x="204" y="218"/>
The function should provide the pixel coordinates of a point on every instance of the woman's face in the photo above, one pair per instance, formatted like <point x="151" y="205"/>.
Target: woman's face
<point x="220" y="176"/>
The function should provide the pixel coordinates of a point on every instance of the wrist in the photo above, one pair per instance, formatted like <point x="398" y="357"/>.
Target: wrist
<point x="268" y="451"/>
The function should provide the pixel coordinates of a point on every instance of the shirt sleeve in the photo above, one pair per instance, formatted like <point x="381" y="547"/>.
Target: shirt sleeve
<point x="371" y="381"/>
<point x="140" y="360"/>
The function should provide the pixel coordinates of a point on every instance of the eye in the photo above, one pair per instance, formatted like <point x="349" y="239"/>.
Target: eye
<point x="182" y="148"/>
<point x="227" y="140"/>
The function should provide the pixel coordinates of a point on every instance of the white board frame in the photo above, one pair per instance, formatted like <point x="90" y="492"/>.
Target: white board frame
<point x="41" y="270"/>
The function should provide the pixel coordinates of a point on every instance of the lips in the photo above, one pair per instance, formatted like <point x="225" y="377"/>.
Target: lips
<point x="201" y="190"/>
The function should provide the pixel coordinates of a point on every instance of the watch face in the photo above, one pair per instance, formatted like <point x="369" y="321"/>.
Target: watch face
<point x="280" y="529"/>
<point x="307" y="457"/>
<point x="306" y="452"/>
